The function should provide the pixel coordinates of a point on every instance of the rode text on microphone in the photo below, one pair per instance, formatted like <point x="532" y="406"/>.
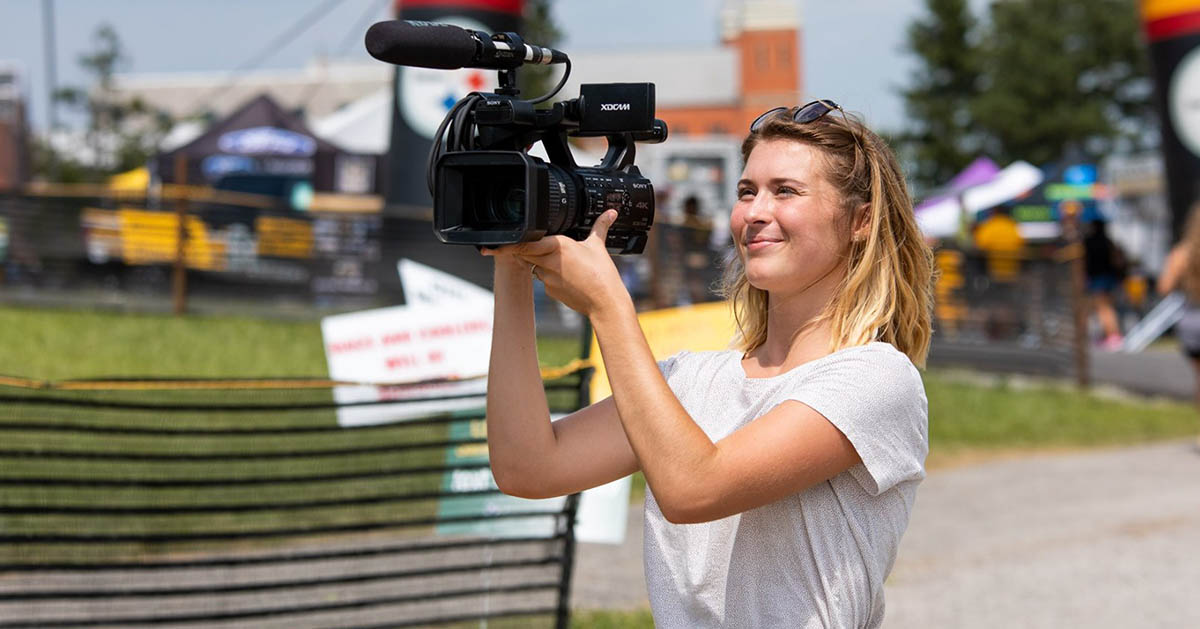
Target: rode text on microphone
<point x="487" y="190"/>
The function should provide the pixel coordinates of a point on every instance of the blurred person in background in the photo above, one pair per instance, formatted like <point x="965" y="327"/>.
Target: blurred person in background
<point x="1181" y="271"/>
<point x="697" y="258"/>
<point x="1105" y="266"/>
<point x="999" y="239"/>
<point x="780" y="473"/>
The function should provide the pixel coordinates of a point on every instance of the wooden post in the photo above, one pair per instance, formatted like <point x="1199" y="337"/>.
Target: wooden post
<point x="1071" y="211"/>
<point x="179" y="272"/>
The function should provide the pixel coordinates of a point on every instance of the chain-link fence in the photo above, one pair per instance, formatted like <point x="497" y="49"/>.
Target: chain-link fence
<point x="1006" y="311"/>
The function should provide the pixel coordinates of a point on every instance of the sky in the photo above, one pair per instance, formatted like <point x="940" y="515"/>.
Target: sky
<point x="853" y="49"/>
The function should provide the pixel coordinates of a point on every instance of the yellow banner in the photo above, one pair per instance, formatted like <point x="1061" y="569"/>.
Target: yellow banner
<point x="696" y="328"/>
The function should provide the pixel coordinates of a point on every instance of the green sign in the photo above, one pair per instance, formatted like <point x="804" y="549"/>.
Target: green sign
<point x="1071" y="191"/>
<point x="474" y="480"/>
<point x="1032" y="213"/>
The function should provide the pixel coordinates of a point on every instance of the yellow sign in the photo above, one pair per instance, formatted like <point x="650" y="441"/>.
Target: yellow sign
<point x="284" y="237"/>
<point x="696" y="328"/>
<point x="149" y="237"/>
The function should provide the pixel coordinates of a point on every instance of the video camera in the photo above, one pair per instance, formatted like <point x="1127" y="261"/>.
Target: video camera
<point x="487" y="189"/>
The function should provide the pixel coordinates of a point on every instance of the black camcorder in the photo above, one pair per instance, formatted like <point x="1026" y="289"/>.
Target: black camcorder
<point x="487" y="189"/>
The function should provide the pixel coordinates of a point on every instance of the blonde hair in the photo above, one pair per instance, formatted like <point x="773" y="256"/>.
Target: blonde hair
<point x="1190" y="280"/>
<point x="887" y="291"/>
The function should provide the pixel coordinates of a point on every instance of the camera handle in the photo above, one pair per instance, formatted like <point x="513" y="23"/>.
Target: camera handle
<point x="621" y="152"/>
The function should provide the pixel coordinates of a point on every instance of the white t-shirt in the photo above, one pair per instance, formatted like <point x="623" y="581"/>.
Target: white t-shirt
<point x="813" y="559"/>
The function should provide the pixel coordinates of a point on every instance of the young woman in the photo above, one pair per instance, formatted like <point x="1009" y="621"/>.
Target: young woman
<point x="780" y="473"/>
<point x="1181" y="270"/>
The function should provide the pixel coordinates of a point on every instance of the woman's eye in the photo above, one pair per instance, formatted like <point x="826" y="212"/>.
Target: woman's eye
<point x="745" y="191"/>
<point x="785" y="190"/>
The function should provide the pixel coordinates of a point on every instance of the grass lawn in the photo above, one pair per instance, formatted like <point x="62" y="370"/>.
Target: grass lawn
<point x="966" y="414"/>
<point x="61" y="344"/>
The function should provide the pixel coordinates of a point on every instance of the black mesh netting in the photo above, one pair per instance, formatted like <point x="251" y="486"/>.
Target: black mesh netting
<point x="227" y="504"/>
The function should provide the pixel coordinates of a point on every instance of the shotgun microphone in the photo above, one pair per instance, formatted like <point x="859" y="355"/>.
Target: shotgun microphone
<point x="449" y="47"/>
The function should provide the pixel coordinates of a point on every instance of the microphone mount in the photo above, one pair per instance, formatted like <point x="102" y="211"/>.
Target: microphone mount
<point x="507" y="76"/>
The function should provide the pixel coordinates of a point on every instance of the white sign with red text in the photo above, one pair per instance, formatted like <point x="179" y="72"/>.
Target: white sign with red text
<point x="403" y="344"/>
<point x="444" y="332"/>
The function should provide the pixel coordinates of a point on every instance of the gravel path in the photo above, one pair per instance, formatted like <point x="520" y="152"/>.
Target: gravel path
<point x="1101" y="539"/>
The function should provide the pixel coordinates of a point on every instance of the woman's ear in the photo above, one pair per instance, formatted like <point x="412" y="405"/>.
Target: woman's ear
<point x="861" y="225"/>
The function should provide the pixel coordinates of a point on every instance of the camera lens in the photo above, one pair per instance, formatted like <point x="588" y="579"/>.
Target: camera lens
<point x="503" y="201"/>
<point x="514" y="204"/>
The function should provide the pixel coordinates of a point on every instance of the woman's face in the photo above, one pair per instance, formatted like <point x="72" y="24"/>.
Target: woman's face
<point x="788" y="222"/>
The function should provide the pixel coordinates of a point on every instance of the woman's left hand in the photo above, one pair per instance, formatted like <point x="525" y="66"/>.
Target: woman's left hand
<point x="580" y="274"/>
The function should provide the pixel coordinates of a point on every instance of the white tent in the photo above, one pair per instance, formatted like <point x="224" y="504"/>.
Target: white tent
<point x="942" y="219"/>
<point x="364" y="126"/>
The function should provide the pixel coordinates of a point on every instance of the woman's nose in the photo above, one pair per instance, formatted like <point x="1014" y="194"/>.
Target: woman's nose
<point x="759" y="210"/>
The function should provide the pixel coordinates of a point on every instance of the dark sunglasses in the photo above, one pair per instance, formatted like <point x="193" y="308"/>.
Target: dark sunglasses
<point x="815" y="110"/>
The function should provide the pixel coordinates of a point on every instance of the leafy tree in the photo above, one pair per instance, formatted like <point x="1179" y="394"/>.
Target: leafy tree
<point x="122" y="133"/>
<point x="538" y="27"/>
<point x="1040" y="80"/>
<point x="1063" y="79"/>
<point x="942" y="141"/>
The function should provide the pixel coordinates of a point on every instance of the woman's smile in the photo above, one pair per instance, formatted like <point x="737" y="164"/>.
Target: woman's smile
<point x="759" y="243"/>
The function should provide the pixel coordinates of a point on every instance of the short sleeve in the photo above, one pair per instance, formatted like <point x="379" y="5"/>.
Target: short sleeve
<point x="875" y="397"/>
<point x="668" y="364"/>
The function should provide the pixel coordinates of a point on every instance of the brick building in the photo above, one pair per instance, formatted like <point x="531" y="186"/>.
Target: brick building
<point x="713" y="90"/>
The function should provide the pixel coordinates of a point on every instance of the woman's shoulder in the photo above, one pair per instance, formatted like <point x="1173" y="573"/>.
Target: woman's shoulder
<point x="876" y="351"/>
<point x="876" y="362"/>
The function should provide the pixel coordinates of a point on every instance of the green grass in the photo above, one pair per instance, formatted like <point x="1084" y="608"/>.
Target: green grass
<point x="60" y="344"/>
<point x="966" y="415"/>
<point x="1014" y="413"/>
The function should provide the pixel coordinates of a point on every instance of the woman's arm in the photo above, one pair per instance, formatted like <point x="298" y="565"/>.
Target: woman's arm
<point x="1172" y="271"/>
<point x="530" y="457"/>
<point x="787" y="450"/>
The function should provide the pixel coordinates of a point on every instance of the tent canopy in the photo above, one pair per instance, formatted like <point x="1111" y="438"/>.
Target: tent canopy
<point x="258" y="138"/>
<point x="940" y="218"/>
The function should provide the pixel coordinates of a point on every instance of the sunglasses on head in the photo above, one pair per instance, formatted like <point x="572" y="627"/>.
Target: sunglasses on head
<point x="815" y="110"/>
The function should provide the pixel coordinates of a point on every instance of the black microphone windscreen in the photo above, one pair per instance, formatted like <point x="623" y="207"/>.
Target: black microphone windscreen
<point x="421" y="44"/>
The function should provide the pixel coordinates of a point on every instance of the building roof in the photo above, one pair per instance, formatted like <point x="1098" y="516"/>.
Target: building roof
<point x="319" y="88"/>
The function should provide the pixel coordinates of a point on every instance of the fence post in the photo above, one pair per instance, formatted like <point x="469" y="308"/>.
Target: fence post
<point x="179" y="272"/>
<point x="1071" y="211"/>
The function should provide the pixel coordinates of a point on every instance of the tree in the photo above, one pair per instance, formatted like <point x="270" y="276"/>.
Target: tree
<point x="1041" y="80"/>
<point x="538" y="27"/>
<point x="942" y="142"/>
<point x="121" y="133"/>
<point x="1064" y="80"/>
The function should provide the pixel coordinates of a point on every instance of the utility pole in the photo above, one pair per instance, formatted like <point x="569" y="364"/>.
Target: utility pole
<point x="51" y="64"/>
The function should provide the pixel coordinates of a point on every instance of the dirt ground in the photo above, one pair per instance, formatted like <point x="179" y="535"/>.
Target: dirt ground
<point x="1100" y="539"/>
